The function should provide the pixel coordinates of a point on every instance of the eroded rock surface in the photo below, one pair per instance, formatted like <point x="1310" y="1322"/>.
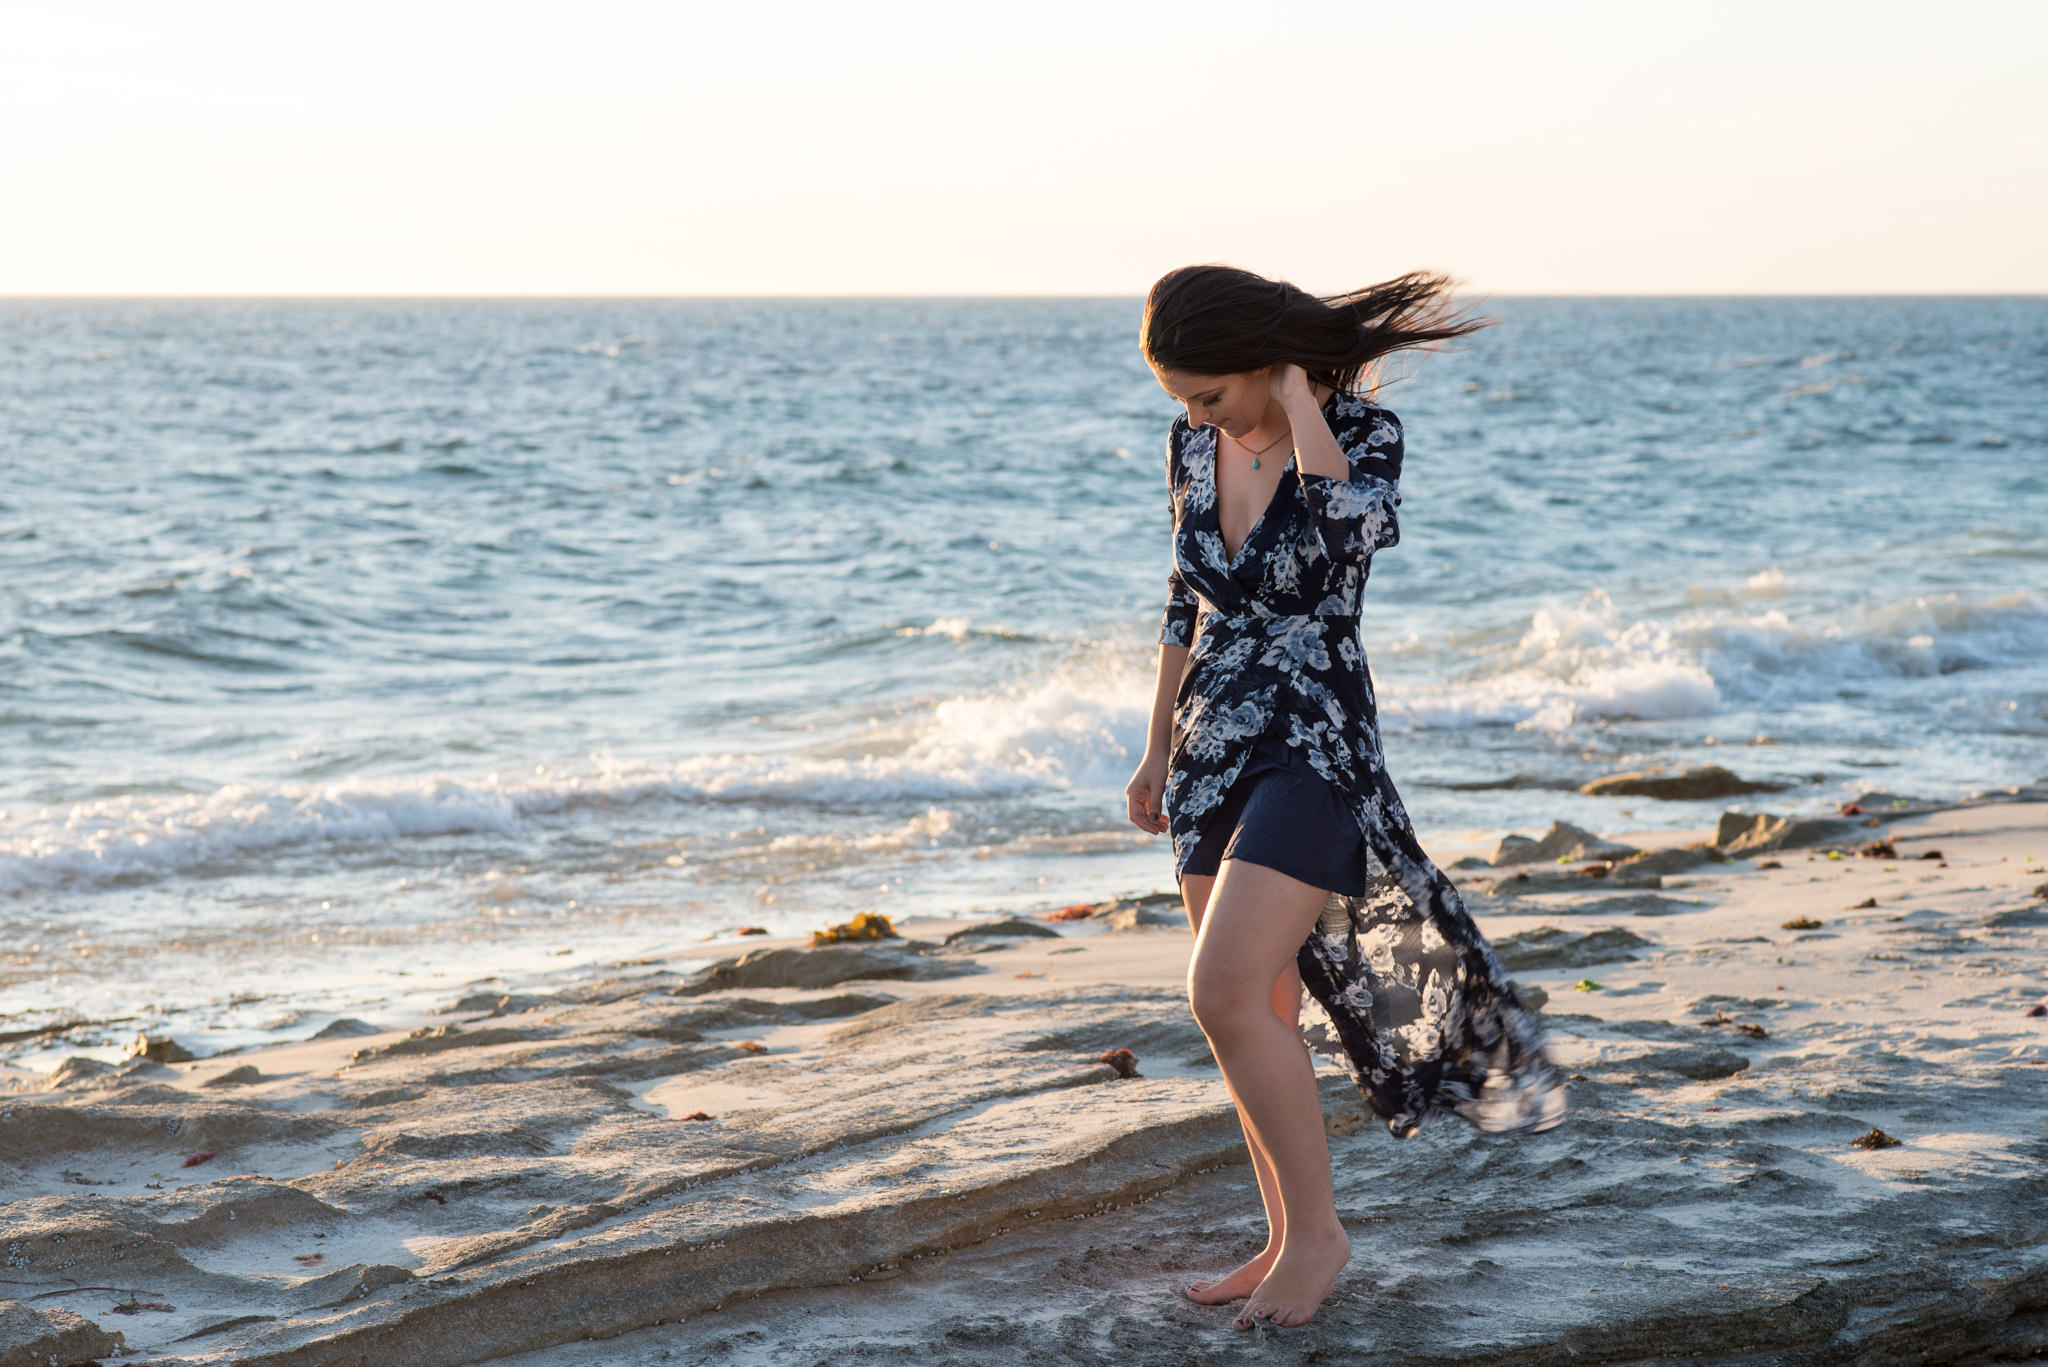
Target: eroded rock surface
<point x="1550" y="947"/>
<point x="36" y="1336"/>
<point x="1706" y="781"/>
<point x="942" y="1168"/>
<point x="1740" y="833"/>
<point x="1653" y="866"/>
<point x="825" y="965"/>
<point x="1008" y="927"/>
<point x="1563" y="841"/>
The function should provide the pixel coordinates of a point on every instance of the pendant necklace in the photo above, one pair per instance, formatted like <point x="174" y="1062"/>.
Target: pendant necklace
<point x="1267" y="447"/>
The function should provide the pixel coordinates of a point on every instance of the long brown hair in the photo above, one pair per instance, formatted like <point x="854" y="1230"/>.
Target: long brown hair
<point x="1219" y="320"/>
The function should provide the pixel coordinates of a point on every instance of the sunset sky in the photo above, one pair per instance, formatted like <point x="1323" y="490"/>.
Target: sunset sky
<point x="1030" y="148"/>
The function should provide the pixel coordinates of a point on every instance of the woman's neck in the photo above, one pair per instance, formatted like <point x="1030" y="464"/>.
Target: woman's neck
<point x="1274" y="420"/>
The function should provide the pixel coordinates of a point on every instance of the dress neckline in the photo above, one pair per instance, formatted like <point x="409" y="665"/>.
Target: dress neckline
<point x="1279" y="489"/>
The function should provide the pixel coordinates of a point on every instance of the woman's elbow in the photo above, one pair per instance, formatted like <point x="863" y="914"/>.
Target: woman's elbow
<point x="1357" y="543"/>
<point x="1390" y="535"/>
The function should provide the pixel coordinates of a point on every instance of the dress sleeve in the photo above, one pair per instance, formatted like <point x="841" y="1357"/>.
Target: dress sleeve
<point x="1356" y="516"/>
<point x="1177" y="625"/>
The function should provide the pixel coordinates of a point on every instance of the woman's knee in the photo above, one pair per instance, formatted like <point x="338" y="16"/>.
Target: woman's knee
<point x="1223" y="1002"/>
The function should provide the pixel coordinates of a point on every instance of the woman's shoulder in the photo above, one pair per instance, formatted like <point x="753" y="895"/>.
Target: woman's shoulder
<point x="1178" y="437"/>
<point x="1359" y="407"/>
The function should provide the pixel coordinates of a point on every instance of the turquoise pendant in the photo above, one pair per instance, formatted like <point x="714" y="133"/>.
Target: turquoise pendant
<point x="1255" y="462"/>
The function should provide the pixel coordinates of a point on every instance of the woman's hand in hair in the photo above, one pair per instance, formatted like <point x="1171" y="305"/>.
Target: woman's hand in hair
<point x="1288" y="383"/>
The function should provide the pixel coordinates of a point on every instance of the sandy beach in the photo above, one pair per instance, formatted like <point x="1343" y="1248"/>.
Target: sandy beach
<point x="1808" y="1090"/>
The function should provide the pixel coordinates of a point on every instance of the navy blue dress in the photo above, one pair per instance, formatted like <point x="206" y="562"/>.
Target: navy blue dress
<point x="1402" y="989"/>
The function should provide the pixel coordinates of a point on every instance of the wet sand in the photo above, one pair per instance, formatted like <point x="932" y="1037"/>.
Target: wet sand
<point x="910" y="1150"/>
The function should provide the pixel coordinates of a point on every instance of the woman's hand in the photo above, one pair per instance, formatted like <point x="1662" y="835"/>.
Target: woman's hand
<point x="1144" y="795"/>
<point x="1288" y="383"/>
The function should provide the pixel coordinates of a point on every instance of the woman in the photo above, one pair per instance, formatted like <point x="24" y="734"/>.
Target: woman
<point x="1296" y="861"/>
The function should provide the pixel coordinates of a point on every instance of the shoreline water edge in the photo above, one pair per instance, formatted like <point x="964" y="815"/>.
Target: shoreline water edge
<point x="1807" y="1058"/>
<point x="351" y="651"/>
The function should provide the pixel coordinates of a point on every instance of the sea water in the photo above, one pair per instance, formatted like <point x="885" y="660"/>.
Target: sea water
<point x="355" y="652"/>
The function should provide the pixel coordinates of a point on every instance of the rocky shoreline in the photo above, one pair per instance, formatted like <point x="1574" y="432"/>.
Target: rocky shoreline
<point x="925" y="1148"/>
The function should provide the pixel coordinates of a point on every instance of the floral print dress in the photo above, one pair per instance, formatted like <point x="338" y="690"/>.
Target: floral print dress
<point x="1401" y="988"/>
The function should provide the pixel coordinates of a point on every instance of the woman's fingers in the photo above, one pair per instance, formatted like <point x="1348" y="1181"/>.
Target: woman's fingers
<point x="1138" y="806"/>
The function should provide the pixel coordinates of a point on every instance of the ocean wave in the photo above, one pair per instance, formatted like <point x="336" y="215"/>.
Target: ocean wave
<point x="142" y="837"/>
<point x="1587" y="664"/>
<point x="1078" y="729"/>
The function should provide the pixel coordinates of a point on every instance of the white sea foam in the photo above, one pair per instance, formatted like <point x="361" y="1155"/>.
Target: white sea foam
<point x="1075" y="729"/>
<point x="1078" y="729"/>
<point x="931" y="827"/>
<point x="1571" y="665"/>
<point x="958" y="628"/>
<point x="1588" y="663"/>
<point x="141" y="836"/>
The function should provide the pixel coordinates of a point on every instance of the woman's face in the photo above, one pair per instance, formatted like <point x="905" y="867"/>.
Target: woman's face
<point x="1235" y="403"/>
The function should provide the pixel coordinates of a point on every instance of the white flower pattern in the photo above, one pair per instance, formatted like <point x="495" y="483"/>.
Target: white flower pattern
<point x="1401" y="988"/>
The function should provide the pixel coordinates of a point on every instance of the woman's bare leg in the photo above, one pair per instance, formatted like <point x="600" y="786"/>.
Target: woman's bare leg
<point x="1254" y="921"/>
<point x="1240" y="1281"/>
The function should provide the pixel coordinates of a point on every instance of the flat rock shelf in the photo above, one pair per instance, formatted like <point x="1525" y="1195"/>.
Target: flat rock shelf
<point x="922" y="1156"/>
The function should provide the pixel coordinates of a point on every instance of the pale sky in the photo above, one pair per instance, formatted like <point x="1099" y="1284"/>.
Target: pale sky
<point x="1045" y="147"/>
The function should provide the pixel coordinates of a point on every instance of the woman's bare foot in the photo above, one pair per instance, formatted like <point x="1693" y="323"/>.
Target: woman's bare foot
<point x="1309" y="1264"/>
<point x="1239" y="1282"/>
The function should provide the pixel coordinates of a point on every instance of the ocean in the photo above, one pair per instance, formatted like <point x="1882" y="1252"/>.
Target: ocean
<point x="352" y="653"/>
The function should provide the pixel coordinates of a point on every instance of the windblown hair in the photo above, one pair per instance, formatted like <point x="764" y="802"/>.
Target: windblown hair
<point x="1218" y="320"/>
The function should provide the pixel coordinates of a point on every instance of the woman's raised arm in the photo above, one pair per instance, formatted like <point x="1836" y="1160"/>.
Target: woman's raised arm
<point x="1350" y="468"/>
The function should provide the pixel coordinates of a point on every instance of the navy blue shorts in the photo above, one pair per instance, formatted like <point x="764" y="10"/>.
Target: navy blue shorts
<point x="1281" y="813"/>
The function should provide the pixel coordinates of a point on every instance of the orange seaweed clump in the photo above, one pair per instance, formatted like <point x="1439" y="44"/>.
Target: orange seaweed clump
<point x="1123" y="1060"/>
<point x="867" y="925"/>
<point x="1078" y="911"/>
